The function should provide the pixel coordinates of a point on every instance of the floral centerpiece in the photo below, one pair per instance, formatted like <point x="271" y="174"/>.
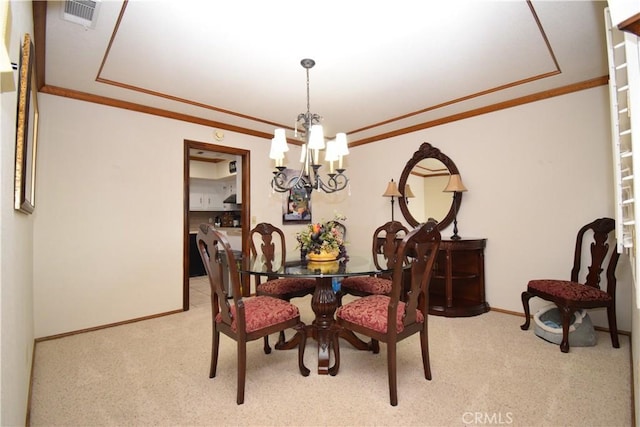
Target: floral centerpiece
<point x="323" y="240"/>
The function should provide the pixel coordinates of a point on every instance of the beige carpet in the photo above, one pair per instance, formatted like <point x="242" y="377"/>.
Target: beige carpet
<point x="486" y="371"/>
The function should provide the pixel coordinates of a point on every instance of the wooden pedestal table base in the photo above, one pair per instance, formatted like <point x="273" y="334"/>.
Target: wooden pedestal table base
<point x="324" y="329"/>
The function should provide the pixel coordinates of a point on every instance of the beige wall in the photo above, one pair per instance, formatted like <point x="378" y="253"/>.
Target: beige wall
<point x="16" y="249"/>
<point x="535" y="174"/>
<point x="109" y="220"/>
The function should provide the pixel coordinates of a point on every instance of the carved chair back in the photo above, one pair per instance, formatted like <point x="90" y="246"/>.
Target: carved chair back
<point x="420" y="246"/>
<point x="599" y="250"/>
<point x="213" y="246"/>
<point x="268" y="242"/>
<point x="386" y="240"/>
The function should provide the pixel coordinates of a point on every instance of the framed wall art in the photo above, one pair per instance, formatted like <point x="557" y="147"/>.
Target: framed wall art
<point x="296" y="207"/>
<point x="26" y="131"/>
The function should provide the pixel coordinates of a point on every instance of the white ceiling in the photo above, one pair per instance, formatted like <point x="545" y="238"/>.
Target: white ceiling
<point x="381" y="66"/>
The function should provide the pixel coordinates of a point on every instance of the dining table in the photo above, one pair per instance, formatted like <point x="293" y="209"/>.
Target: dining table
<point x="324" y="301"/>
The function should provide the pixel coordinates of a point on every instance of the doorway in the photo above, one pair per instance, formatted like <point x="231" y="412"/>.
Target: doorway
<point x="190" y="150"/>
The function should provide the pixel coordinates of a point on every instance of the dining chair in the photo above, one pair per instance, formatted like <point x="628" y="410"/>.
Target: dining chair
<point x="582" y="291"/>
<point x="386" y="239"/>
<point x="387" y="319"/>
<point x="247" y="319"/>
<point x="268" y="242"/>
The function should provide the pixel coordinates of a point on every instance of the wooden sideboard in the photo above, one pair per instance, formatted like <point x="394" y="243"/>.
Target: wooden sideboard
<point x="457" y="284"/>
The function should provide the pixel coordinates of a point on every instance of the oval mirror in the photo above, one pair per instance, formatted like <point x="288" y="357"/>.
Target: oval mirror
<point x="424" y="177"/>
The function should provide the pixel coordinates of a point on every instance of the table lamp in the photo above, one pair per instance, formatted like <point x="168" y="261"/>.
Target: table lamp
<point x="392" y="191"/>
<point x="454" y="186"/>
<point x="408" y="194"/>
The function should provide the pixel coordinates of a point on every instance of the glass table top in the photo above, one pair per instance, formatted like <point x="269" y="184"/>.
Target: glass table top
<point x="354" y="265"/>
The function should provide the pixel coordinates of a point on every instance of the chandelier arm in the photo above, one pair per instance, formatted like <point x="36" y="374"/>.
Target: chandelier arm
<point x="336" y="182"/>
<point x="281" y="182"/>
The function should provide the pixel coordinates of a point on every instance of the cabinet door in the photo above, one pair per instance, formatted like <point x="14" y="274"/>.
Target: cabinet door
<point x="215" y="196"/>
<point x="209" y="201"/>
<point x="196" y="201"/>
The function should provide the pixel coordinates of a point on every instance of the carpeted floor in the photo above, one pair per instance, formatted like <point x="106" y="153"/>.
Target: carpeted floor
<point x="486" y="371"/>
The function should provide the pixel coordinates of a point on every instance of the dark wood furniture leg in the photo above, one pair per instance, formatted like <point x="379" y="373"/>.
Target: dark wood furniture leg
<point x="353" y="339"/>
<point x="324" y="329"/>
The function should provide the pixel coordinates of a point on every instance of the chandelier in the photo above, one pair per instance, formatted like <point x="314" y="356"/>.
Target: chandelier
<point x="308" y="177"/>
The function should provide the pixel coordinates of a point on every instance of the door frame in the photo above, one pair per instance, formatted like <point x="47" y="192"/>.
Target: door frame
<point x="245" y="212"/>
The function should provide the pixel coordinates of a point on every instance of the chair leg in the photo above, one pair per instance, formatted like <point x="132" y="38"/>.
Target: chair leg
<point x="215" y="345"/>
<point x="374" y="345"/>
<point x="526" y="296"/>
<point x="242" y="370"/>
<point x="267" y="347"/>
<point x="391" y="367"/>
<point x="424" y="345"/>
<point x="613" y="326"/>
<point x="567" y="314"/>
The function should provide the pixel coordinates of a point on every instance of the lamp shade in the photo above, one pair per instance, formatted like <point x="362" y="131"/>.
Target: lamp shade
<point x="331" y="152"/>
<point x="275" y="152"/>
<point x="392" y="190"/>
<point x="316" y="138"/>
<point x="455" y="184"/>
<point x="407" y="192"/>
<point x="279" y="142"/>
<point x="341" y="144"/>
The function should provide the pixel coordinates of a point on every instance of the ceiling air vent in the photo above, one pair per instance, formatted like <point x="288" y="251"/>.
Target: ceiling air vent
<point x="83" y="12"/>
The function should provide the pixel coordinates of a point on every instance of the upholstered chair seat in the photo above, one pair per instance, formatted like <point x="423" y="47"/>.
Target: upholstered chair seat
<point x="372" y="312"/>
<point x="262" y="312"/>
<point x="286" y="286"/>
<point x="370" y="285"/>
<point x="570" y="291"/>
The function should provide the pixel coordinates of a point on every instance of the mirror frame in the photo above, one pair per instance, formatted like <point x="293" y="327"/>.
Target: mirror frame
<point x="427" y="151"/>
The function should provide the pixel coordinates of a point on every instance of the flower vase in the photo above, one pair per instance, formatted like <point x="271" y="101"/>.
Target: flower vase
<point x="323" y="255"/>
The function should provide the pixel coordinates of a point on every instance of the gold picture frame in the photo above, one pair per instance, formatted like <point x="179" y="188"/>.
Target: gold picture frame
<point x="26" y="131"/>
